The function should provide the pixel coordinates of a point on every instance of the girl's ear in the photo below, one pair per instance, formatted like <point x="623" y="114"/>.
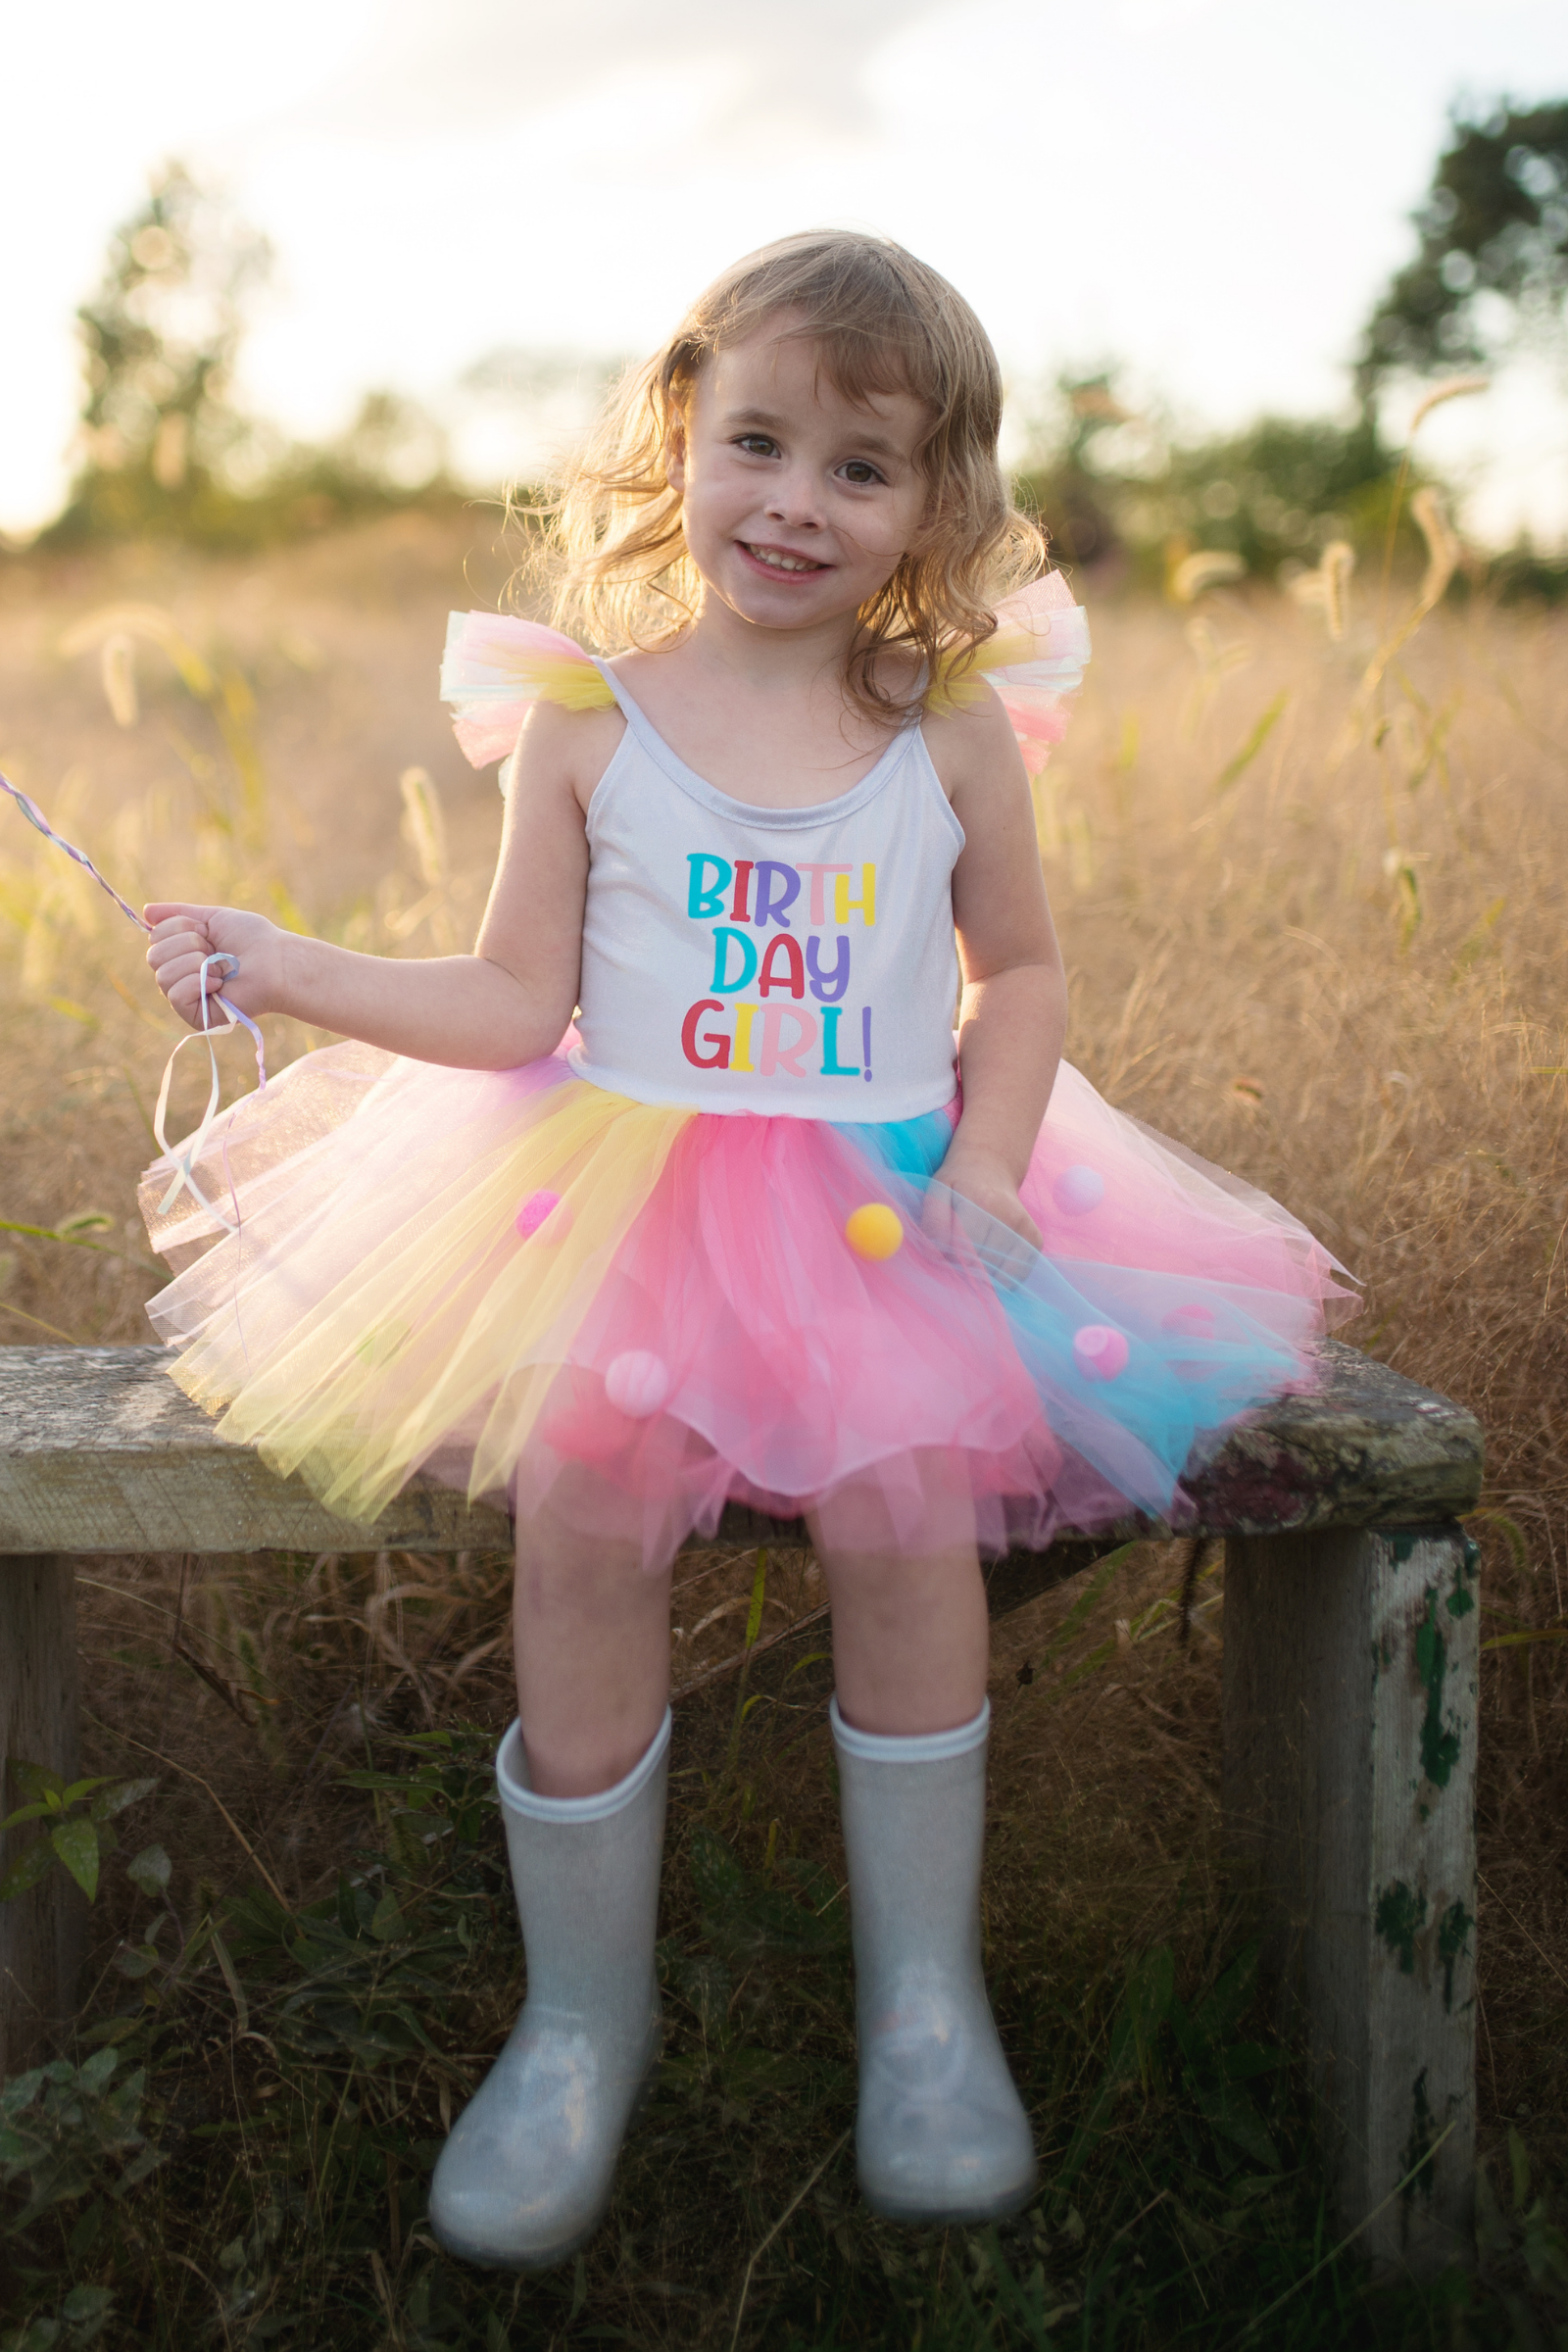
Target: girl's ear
<point x="675" y="454"/>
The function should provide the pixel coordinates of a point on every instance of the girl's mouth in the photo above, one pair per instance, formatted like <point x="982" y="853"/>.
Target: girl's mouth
<point x="780" y="560"/>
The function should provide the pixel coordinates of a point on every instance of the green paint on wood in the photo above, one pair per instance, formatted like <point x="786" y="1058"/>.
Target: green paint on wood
<point x="1400" y="1912"/>
<point x="1402" y="1546"/>
<point x="1440" y="1749"/>
<point x="1461" y="1601"/>
<point x="1453" y="1934"/>
<point x="1419" y="2143"/>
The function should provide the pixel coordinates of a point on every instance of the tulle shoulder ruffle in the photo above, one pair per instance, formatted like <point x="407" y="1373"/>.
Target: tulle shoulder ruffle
<point x="1036" y="659"/>
<point x="496" y="667"/>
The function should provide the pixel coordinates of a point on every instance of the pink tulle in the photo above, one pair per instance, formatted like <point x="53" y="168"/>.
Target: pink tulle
<point x="888" y="1395"/>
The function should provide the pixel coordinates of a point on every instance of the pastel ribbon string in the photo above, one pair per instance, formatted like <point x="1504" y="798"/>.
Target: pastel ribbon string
<point x="183" y="1163"/>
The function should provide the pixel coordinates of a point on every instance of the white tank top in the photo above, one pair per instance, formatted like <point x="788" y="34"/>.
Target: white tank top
<point x="782" y="960"/>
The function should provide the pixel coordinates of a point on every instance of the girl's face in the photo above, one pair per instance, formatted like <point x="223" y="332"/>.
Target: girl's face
<point x="798" y="504"/>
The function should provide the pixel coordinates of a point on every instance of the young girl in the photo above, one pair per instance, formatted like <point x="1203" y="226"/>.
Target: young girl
<point x="751" y="1226"/>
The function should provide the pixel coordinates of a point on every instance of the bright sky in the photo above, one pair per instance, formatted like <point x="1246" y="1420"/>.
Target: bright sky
<point x="1209" y="190"/>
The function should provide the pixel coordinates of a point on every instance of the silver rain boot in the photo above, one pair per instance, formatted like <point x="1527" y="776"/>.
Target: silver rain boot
<point x="526" y="2175"/>
<point x="941" y="2135"/>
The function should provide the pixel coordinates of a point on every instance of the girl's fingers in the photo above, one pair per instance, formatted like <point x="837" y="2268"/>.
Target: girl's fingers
<point x="188" y="971"/>
<point x="163" y="952"/>
<point x="164" y="910"/>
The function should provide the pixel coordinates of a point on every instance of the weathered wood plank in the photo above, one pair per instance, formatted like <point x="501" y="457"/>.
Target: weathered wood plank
<point x="100" y="1452"/>
<point x="1351" y="1679"/>
<point x="41" y="1932"/>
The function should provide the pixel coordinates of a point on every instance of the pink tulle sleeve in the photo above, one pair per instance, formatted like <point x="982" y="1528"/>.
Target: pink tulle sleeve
<point x="496" y="667"/>
<point x="1035" y="660"/>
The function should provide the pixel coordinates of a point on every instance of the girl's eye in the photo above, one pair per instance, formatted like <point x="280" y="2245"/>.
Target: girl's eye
<point x="860" y="471"/>
<point x="758" y="444"/>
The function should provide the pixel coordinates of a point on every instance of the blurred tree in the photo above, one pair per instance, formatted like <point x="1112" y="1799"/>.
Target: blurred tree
<point x="1492" y="265"/>
<point x="164" y="450"/>
<point x="158" y="341"/>
<point x="1275" y="493"/>
<point x="1071" y="493"/>
<point x="1119" y="489"/>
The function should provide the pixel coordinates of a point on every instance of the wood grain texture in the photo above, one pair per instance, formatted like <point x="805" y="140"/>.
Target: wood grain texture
<point x="42" y="1932"/>
<point x="1351" y="1679"/>
<point x="100" y="1452"/>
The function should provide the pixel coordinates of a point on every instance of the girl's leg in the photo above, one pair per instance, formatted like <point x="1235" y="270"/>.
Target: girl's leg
<point x="941" y="2135"/>
<point x="528" y="2170"/>
<point x="591" y="1637"/>
<point x="911" y="1639"/>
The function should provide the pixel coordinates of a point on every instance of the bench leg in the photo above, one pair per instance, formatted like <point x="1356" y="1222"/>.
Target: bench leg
<point x="1351" y="1682"/>
<point x="41" y="1933"/>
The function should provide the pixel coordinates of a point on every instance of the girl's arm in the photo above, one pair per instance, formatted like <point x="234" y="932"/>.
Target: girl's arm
<point x="1013" y="1013"/>
<point x="507" y="1003"/>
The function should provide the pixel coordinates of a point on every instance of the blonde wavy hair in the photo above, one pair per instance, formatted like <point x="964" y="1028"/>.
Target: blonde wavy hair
<point x="883" y="321"/>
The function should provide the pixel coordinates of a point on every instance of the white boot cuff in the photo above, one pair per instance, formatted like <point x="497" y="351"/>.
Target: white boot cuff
<point x="512" y="1779"/>
<point x="926" y="1747"/>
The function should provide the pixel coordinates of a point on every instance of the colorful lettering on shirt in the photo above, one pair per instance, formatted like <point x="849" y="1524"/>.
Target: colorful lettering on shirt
<point x="790" y="1042"/>
<point x="704" y="898"/>
<point x="865" y="905"/>
<point x="717" y="1055"/>
<point x="777" y="889"/>
<point x="818" y="874"/>
<point x="832" y="1067"/>
<point x="827" y="987"/>
<point x="786" y="951"/>
<point x="723" y="938"/>
<point x="776" y="1054"/>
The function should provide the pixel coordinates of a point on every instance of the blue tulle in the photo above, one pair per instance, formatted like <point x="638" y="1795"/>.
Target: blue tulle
<point x="1200" y="1351"/>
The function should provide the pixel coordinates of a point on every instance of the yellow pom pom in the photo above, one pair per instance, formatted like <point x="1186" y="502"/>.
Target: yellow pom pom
<point x="874" y="1230"/>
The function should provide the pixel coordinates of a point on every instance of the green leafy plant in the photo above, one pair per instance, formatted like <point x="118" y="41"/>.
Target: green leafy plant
<point x="78" y="2320"/>
<point x="74" y="2132"/>
<point x="77" y="1822"/>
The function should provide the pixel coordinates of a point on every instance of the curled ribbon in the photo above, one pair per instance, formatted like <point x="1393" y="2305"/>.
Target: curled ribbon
<point x="183" y="1163"/>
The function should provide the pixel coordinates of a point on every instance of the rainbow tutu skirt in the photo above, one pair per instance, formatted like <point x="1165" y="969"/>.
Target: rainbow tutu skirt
<point x="628" y="1314"/>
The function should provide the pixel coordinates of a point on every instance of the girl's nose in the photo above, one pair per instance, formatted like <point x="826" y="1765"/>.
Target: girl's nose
<point x="795" y="502"/>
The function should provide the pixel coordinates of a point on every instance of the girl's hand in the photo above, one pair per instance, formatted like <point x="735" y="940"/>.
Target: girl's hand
<point x="985" y="1179"/>
<point x="183" y="937"/>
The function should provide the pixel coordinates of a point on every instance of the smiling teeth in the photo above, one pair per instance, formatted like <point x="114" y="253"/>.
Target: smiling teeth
<point x="765" y="555"/>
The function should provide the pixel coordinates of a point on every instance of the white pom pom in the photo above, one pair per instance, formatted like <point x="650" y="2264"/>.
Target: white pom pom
<point x="637" y="1383"/>
<point x="1078" y="1190"/>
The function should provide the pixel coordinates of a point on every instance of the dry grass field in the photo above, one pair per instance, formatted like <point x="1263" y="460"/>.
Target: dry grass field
<point x="1317" y="931"/>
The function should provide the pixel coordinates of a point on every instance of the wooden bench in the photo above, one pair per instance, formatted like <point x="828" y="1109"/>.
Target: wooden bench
<point x="1352" y="1648"/>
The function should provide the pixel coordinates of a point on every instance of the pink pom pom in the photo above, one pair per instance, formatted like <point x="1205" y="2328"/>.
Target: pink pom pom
<point x="1077" y="1190"/>
<point x="534" y="1210"/>
<point x="637" y="1383"/>
<point x="1100" y="1352"/>
<point x="1191" y="1322"/>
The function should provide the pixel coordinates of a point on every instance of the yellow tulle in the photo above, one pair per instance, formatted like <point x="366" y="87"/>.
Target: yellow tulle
<point x="1005" y="651"/>
<point x="452" y="1323"/>
<point x="574" y="685"/>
